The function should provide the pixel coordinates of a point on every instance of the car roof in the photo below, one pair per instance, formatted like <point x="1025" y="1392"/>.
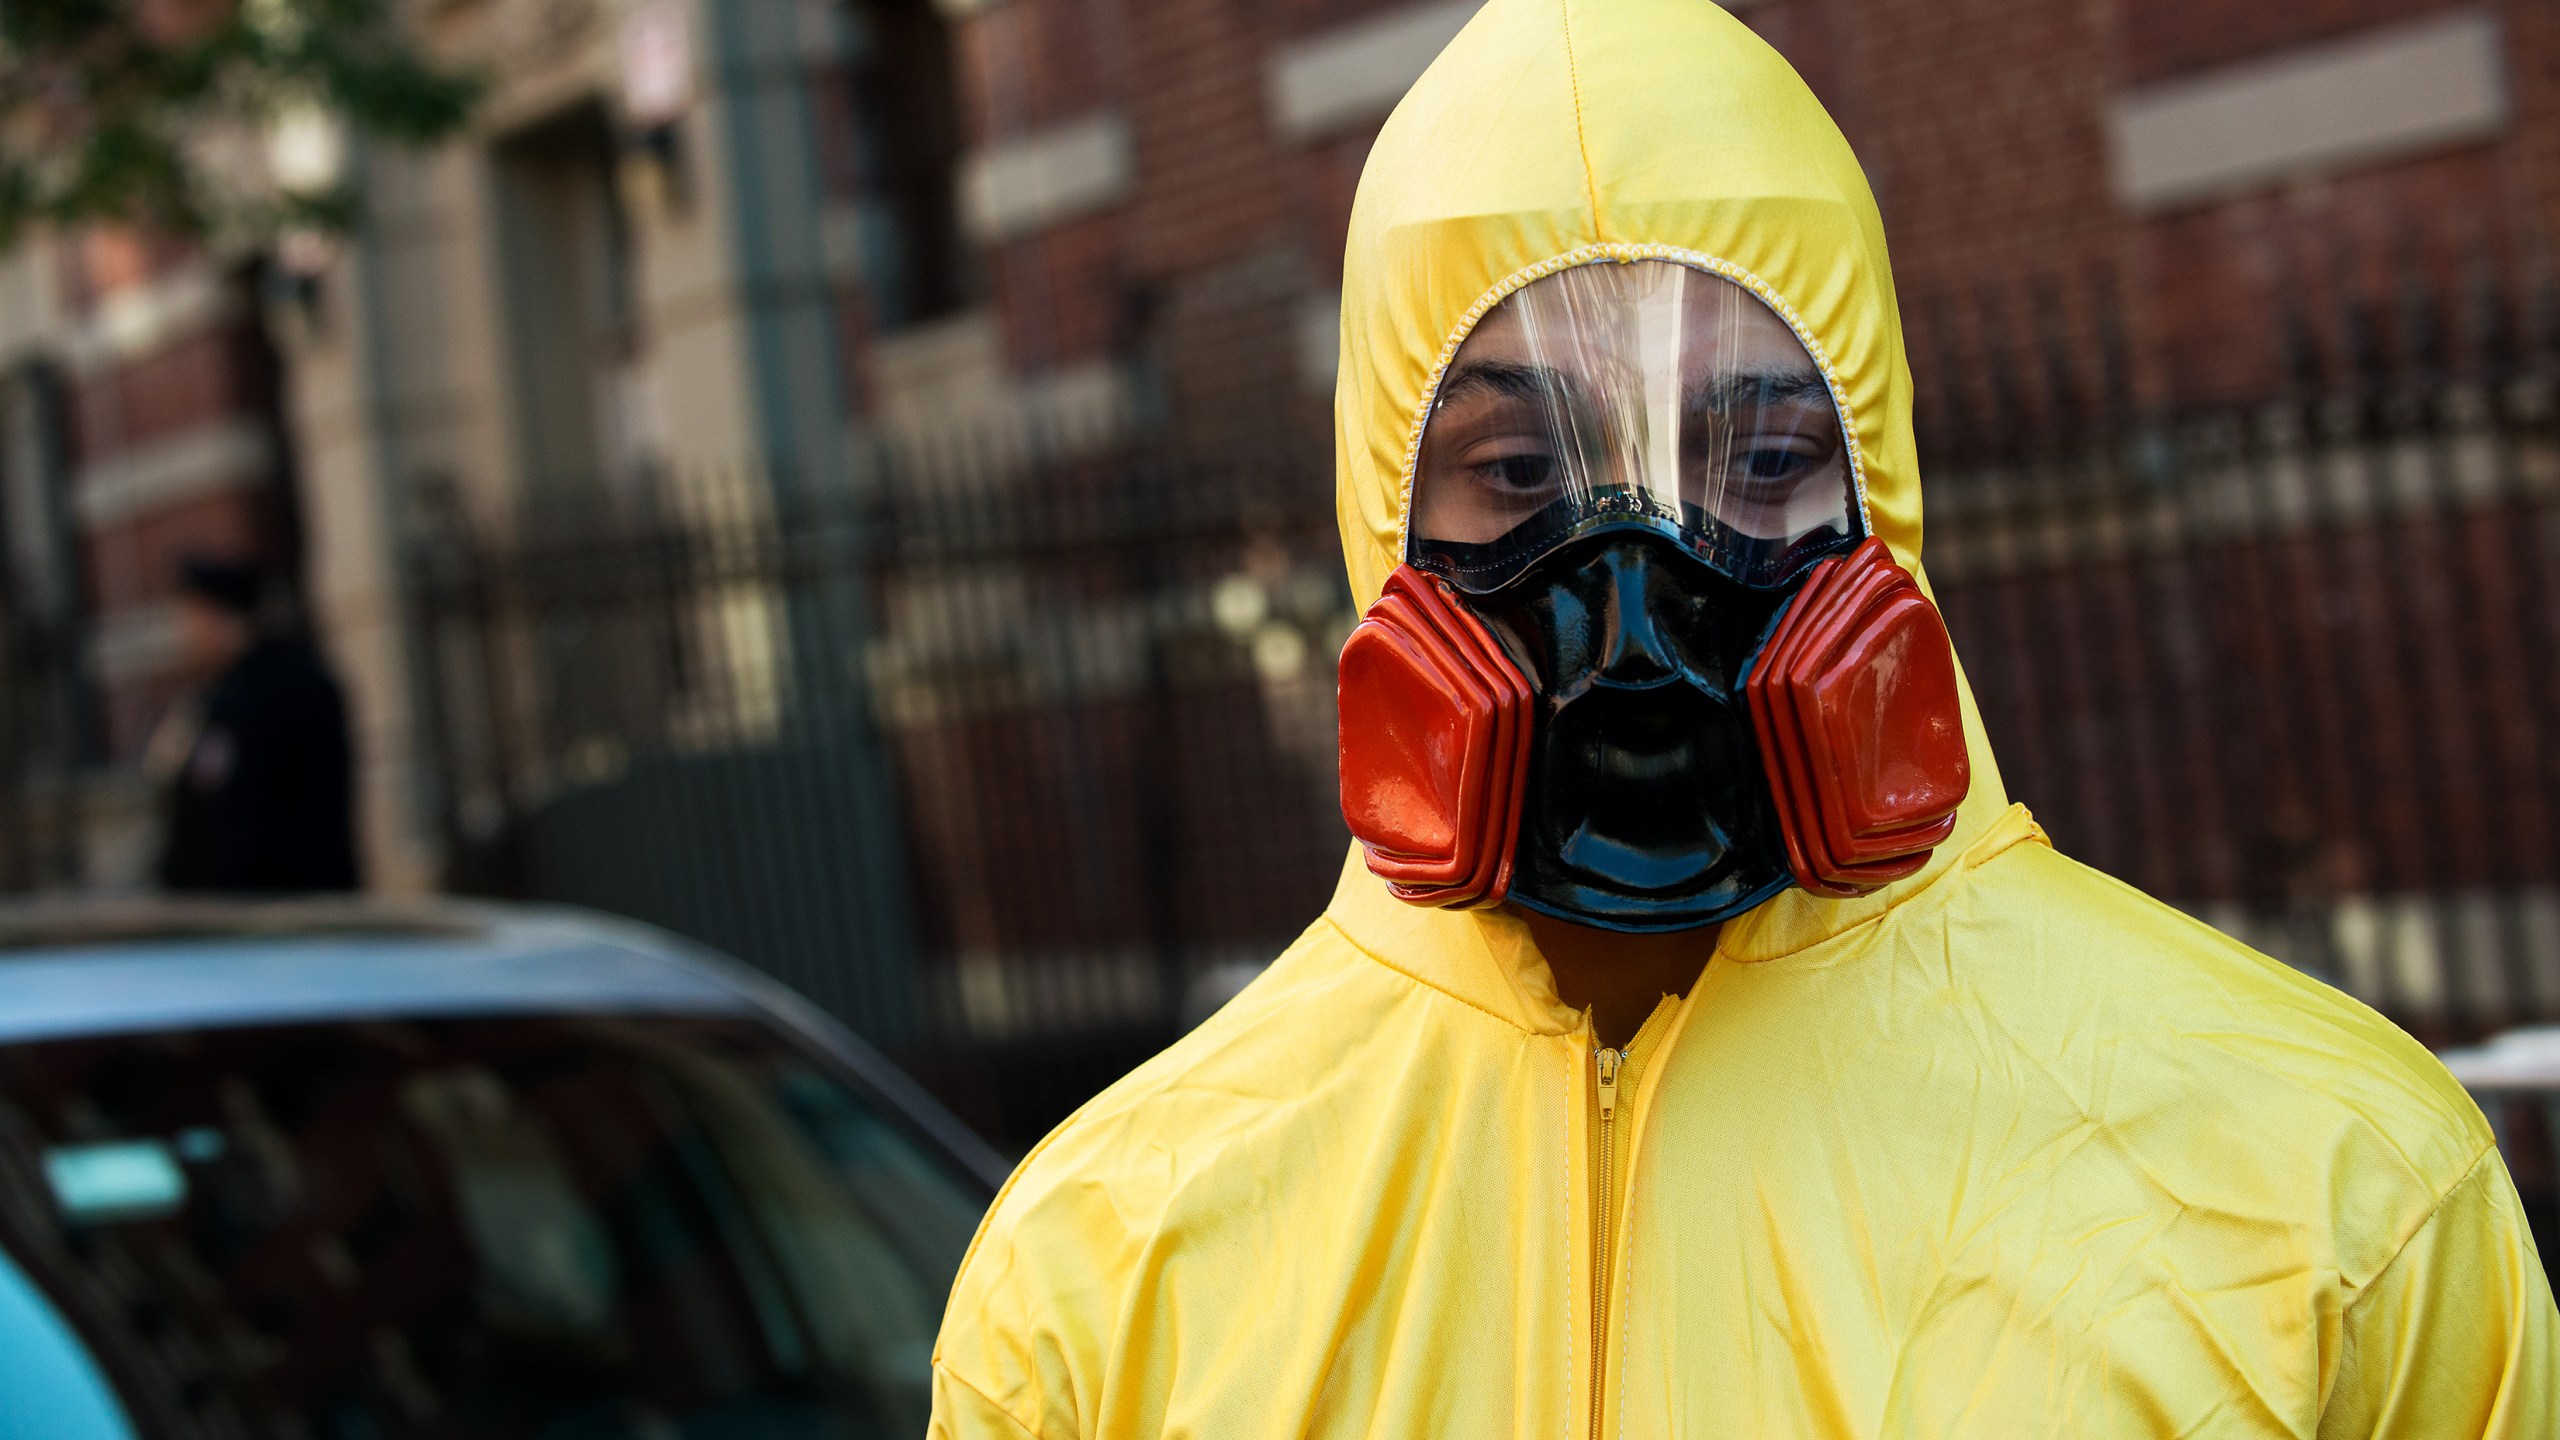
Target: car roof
<point x="119" y="966"/>
<point x="70" y="968"/>
<point x="2525" y="1059"/>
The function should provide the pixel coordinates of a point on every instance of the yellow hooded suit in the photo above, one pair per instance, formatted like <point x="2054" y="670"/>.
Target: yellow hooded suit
<point x="2007" y="1149"/>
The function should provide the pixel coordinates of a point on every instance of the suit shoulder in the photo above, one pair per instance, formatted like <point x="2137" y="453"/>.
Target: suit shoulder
<point x="1044" y="1277"/>
<point x="2275" y="1057"/>
<point x="1239" y="1072"/>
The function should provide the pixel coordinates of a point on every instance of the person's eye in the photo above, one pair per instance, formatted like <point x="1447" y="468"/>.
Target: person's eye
<point x="1773" y="457"/>
<point x="1769" y="463"/>
<point x="1528" y="472"/>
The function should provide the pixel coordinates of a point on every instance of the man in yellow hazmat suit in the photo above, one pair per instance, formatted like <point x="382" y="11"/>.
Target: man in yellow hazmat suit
<point x="1699" y="1043"/>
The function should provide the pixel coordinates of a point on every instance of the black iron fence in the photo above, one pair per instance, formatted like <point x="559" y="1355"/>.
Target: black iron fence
<point x="2292" y="669"/>
<point x="2287" y="662"/>
<point x="1003" y="762"/>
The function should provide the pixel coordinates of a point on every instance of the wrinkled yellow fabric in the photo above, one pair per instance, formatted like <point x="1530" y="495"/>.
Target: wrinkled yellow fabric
<point x="2008" y="1149"/>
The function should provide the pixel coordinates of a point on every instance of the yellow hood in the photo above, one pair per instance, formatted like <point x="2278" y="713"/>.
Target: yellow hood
<point x="1540" y="139"/>
<point x="2008" y="1150"/>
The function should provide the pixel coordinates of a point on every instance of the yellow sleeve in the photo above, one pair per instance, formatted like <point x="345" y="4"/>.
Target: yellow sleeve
<point x="1021" y="1325"/>
<point x="961" y="1413"/>
<point x="2456" y="1336"/>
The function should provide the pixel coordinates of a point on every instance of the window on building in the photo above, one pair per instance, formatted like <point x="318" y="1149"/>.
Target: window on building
<point x="566" y="249"/>
<point x="907" y="152"/>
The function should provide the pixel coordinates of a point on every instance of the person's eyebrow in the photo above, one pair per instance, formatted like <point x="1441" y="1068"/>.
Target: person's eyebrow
<point x="1753" y="389"/>
<point x="1502" y="377"/>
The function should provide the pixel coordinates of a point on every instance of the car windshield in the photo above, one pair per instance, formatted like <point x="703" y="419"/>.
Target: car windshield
<point x="543" y="1227"/>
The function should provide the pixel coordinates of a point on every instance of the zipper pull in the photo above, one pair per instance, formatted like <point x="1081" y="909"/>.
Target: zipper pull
<point x="1608" y="1063"/>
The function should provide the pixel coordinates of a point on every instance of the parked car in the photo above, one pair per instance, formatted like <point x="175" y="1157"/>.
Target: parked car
<point x="341" y="1170"/>
<point x="2516" y="1079"/>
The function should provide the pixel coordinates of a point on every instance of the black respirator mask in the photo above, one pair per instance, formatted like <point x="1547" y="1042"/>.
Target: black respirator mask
<point x="1644" y="805"/>
<point x="1638" y="670"/>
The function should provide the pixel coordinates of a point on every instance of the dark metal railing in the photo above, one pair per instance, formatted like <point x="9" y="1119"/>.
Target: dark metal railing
<point x="1070" y="718"/>
<point x="2286" y="659"/>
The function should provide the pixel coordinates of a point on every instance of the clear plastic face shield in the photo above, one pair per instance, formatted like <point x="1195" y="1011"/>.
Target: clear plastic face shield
<point x="1650" y="394"/>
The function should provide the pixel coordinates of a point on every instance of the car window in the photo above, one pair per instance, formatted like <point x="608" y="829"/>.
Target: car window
<point x="542" y="1227"/>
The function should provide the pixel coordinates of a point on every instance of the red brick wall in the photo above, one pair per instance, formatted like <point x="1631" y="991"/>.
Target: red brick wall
<point x="1981" y="127"/>
<point x="2169" y="37"/>
<point x="1200" y="277"/>
<point x="1328" y="176"/>
<point x="1060" y="291"/>
<point x="216" y="374"/>
<point x="1213" y="176"/>
<point x="1979" y="122"/>
<point x="1220" y="248"/>
<point x="1036" y="62"/>
<point x="1300" y="17"/>
<point x="2219" y="279"/>
<point x="134" y="562"/>
<point x="191" y="381"/>
<point x="1982" y="124"/>
<point x="2533" y="155"/>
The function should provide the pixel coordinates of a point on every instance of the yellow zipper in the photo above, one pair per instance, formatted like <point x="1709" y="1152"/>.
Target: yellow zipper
<point x="1605" y="1065"/>
<point x="1614" y="1073"/>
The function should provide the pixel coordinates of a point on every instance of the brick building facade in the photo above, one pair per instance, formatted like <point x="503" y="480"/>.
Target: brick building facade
<point x="2183" y="165"/>
<point x="139" y="425"/>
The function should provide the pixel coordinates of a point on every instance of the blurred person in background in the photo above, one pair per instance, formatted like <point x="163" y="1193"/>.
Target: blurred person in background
<point x="256" y="763"/>
<point x="1699" y="1042"/>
